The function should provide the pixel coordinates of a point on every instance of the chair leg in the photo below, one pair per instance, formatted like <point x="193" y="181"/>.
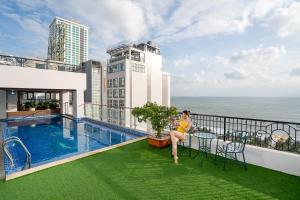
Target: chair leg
<point x="225" y="157"/>
<point x="216" y="154"/>
<point x="245" y="166"/>
<point x="235" y="156"/>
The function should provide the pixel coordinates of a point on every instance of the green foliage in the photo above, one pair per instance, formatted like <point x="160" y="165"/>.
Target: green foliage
<point x="159" y="116"/>
<point x="29" y="104"/>
<point x="53" y="104"/>
<point x="42" y="105"/>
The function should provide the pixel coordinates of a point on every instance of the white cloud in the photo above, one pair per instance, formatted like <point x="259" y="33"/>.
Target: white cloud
<point x="295" y="72"/>
<point x="182" y="62"/>
<point x="194" y="19"/>
<point x="285" y="19"/>
<point x="236" y="74"/>
<point x="258" y="55"/>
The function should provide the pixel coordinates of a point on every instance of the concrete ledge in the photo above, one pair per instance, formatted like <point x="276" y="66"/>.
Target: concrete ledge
<point x="66" y="160"/>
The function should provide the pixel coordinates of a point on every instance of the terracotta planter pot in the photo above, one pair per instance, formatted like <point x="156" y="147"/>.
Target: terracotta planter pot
<point x="159" y="142"/>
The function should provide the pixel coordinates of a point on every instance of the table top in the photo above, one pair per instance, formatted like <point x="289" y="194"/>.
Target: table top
<point x="205" y="135"/>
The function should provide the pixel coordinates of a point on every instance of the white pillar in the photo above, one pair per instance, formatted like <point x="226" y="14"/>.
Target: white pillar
<point x="78" y="103"/>
<point x="64" y="102"/>
<point x="2" y="104"/>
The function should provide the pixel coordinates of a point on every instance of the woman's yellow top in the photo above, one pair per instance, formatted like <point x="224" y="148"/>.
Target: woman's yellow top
<point x="183" y="125"/>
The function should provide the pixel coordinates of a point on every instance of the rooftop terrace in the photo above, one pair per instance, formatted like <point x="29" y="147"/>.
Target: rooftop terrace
<point x="138" y="171"/>
<point x="8" y="60"/>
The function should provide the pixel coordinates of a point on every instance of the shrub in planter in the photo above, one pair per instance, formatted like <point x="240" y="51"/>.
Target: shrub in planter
<point x="158" y="116"/>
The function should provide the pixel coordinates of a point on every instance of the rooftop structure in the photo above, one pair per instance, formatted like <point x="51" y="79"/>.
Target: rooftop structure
<point x="30" y="80"/>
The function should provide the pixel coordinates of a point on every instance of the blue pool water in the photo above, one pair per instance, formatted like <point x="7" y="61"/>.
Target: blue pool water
<point x="53" y="138"/>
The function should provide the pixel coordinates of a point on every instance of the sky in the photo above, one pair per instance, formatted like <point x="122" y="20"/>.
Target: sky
<point x="210" y="48"/>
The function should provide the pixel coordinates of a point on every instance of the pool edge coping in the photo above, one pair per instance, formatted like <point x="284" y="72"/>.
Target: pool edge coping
<point x="70" y="159"/>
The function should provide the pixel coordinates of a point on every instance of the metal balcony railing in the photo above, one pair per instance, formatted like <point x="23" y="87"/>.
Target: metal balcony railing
<point x="39" y="64"/>
<point x="278" y="135"/>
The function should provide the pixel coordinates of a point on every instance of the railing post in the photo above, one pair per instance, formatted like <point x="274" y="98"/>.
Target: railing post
<point x="224" y="135"/>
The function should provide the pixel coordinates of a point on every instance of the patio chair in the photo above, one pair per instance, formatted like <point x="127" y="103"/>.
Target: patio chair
<point x="235" y="145"/>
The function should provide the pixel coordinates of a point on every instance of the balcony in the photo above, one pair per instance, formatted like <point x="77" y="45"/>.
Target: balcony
<point x="112" y="60"/>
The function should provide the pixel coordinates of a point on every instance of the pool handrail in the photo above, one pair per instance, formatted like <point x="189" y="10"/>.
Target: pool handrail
<point x="8" y="154"/>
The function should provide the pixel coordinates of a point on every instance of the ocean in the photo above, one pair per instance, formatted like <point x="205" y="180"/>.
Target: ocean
<point x="268" y="108"/>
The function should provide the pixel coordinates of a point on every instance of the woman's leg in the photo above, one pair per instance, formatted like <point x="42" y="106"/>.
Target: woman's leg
<point x="175" y="136"/>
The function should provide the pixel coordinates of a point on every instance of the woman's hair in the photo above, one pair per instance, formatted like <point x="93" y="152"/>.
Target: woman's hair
<point x="186" y="112"/>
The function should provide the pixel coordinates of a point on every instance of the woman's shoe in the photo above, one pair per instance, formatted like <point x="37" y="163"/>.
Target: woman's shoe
<point x="176" y="159"/>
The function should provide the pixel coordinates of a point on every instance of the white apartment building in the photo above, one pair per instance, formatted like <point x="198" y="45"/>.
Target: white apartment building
<point x="68" y="41"/>
<point x="134" y="77"/>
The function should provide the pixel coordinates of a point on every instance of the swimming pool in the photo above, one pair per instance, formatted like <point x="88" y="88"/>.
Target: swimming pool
<point x="53" y="138"/>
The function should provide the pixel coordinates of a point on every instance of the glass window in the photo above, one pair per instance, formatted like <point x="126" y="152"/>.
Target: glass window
<point x="122" y="92"/>
<point x="109" y="103"/>
<point x="110" y="83"/>
<point x="122" y="81"/>
<point x="115" y="93"/>
<point x="122" y="103"/>
<point x="40" y="66"/>
<point x="109" y="93"/>
<point x="115" y="82"/>
<point x="115" y="103"/>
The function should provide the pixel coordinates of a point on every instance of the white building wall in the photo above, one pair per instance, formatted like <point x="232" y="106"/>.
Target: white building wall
<point x="154" y="64"/>
<point x="166" y="94"/>
<point x="32" y="78"/>
<point x="139" y="89"/>
<point x="15" y="77"/>
<point x="2" y="104"/>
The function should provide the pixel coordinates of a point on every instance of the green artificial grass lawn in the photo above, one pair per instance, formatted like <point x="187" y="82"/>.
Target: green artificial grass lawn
<point x="138" y="171"/>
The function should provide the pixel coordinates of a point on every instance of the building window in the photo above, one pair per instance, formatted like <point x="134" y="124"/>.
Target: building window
<point x="115" y="93"/>
<point x="122" y="92"/>
<point x="110" y="83"/>
<point x="109" y="93"/>
<point x="116" y="68"/>
<point x="122" y="82"/>
<point x="122" y="103"/>
<point x="115" y="82"/>
<point x="40" y="66"/>
<point x="110" y="113"/>
<point x="138" y="68"/>
<point x="109" y="103"/>
<point x="115" y="103"/>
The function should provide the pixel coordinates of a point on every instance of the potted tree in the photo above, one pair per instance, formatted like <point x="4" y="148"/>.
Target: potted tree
<point x="159" y="117"/>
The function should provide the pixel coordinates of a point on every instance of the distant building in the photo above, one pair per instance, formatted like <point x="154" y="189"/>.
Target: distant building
<point x="134" y="77"/>
<point x="96" y="92"/>
<point x="68" y="41"/>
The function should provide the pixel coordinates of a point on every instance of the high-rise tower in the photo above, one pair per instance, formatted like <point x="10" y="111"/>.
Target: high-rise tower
<point x="68" y="41"/>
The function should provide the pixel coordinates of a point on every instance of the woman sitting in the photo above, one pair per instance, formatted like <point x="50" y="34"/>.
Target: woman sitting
<point x="183" y="125"/>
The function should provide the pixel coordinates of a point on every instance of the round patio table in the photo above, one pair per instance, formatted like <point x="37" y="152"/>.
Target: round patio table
<point x="204" y="140"/>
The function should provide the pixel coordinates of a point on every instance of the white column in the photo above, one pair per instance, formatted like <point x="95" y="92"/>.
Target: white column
<point x="78" y="103"/>
<point x="64" y="102"/>
<point x="2" y="104"/>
